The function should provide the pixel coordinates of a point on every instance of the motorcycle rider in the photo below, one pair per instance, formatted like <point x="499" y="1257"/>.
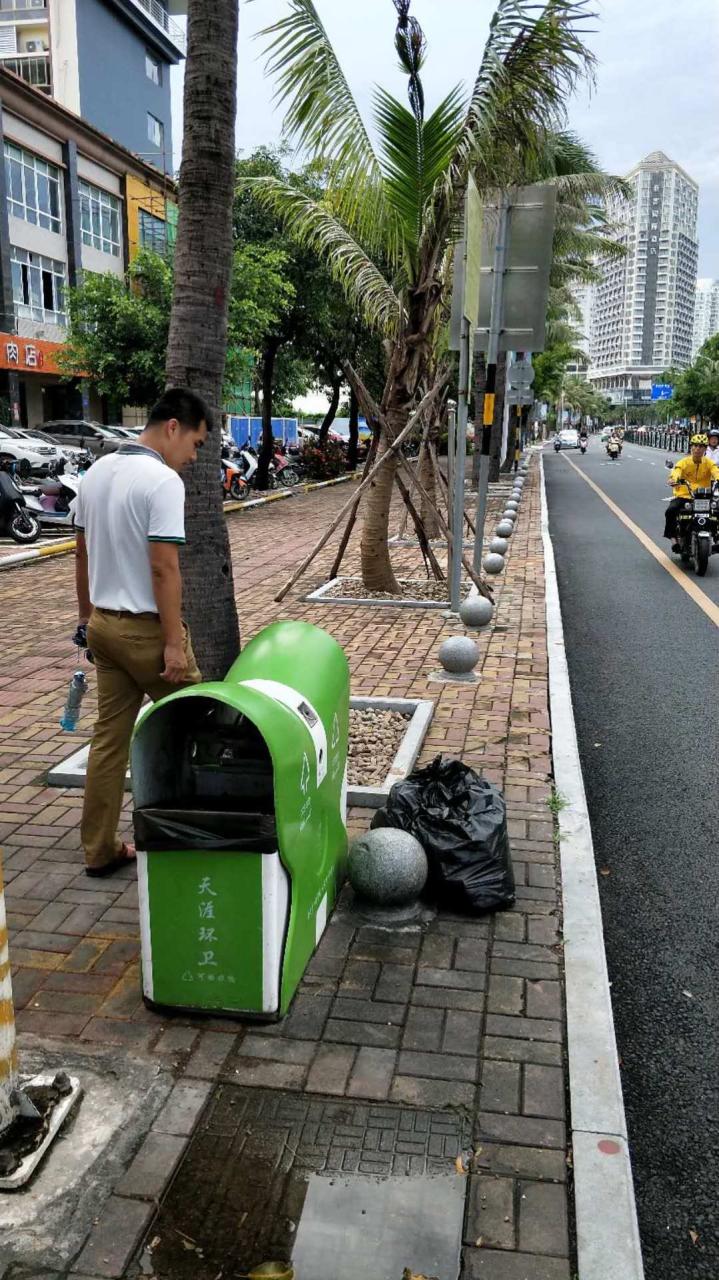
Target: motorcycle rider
<point x="699" y="471"/>
<point x="713" y="446"/>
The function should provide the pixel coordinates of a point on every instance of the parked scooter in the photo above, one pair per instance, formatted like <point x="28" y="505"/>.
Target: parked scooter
<point x="16" y="521"/>
<point x="234" y="484"/>
<point x="54" y="504"/>
<point x="286" y="470"/>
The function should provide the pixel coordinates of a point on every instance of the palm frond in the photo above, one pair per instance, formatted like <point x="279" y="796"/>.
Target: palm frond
<point x="415" y="156"/>
<point x="533" y="58"/>
<point x="321" y="115"/>
<point x="311" y="223"/>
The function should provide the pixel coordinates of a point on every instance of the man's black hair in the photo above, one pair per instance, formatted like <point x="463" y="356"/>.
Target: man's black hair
<point x="177" y="402"/>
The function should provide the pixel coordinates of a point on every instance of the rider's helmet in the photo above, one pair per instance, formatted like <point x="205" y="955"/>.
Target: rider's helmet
<point x="713" y="431"/>
<point x="699" y="438"/>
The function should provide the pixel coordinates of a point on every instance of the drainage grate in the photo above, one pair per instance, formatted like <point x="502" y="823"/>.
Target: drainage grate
<point x="274" y="1176"/>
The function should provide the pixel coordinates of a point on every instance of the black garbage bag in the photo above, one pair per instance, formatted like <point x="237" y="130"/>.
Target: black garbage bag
<point x="461" y="821"/>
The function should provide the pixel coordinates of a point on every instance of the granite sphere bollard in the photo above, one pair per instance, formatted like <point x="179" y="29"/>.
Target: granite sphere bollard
<point x="505" y="528"/>
<point x="387" y="867"/>
<point x="477" y="611"/>
<point x="459" y="655"/>
<point x="499" y="546"/>
<point x="512" y="504"/>
<point x="493" y="563"/>
<point x="509" y="514"/>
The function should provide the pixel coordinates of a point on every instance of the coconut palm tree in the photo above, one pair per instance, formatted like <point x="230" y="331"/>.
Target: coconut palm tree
<point x="197" y="343"/>
<point x="400" y="204"/>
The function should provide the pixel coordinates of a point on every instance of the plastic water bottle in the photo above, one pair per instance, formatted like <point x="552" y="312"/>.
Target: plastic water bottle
<point x="75" y="694"/>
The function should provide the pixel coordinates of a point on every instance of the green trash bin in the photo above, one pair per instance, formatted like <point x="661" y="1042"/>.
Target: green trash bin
<point x="239" y="791"/>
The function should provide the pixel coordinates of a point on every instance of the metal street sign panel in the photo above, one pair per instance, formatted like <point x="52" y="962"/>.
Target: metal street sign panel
<point x="526" y="277"/>
<point x="662" y="391"/>
<point x="520" y="395"/>
<point x="467" y="265"/>
<point x="520" y="374"/>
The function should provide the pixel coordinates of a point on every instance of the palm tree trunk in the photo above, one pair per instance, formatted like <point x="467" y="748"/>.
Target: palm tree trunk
<point x="331" y="413"/>
<point x="495" y="447"/>
<point x="480" y="383"/>
<point x="197" y="343"/>
<point x="353" y="447"/>
<point x="267" y="445"/>
<point x="430" y="497"/>
<point x="377" y="572"/>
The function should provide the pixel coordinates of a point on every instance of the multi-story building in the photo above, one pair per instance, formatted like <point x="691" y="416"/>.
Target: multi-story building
<point x="107" y="60"/>
<point x="706" y="313"/>
<point x="643" y="308"/>
<point x="71" y="200"/>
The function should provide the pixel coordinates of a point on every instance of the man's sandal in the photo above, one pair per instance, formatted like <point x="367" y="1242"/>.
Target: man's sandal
<point x="126" y="855"/>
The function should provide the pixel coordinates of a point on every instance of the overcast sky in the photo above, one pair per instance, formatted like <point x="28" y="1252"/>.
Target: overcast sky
<point x="657" y="86"/>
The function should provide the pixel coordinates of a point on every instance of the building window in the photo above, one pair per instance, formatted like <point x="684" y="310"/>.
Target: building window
<point x="153" y="233"/>
<point x="99" y="219"/>
<point x="33" y="188"/>
<point x="153" y="68"/>
<point x="155" y="130"/>
<point x="38" y="287"/>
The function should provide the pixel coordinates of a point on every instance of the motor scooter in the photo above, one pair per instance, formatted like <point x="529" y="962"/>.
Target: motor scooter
<point x="55" y="502"/>
<point x="16" y="521"/>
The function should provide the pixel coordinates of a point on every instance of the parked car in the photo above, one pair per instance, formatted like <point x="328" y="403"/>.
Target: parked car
<point x="568" y="438"/>
<point x="29" y="452"/>
<point x="86" y="435"/>
<point x="70" y="453"/>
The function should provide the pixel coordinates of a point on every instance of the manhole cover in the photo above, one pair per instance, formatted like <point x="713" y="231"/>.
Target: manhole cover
<point x="343" y="1190"/>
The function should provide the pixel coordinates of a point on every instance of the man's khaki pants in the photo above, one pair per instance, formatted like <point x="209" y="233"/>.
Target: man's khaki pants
<point x="129" y="656"/>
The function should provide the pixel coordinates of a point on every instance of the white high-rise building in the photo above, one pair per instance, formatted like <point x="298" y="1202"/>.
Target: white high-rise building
<point x="706" y="312"/>
<point x="643" y="309"/>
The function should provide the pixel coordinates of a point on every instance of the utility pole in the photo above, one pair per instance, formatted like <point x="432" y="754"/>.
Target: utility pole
<point x="495" y="325"/>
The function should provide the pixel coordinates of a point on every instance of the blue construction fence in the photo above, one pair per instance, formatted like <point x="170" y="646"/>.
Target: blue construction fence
<point x="249" y="430"/>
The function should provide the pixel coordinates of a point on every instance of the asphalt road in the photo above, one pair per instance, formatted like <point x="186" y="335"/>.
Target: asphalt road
<point x="643" y="661"/>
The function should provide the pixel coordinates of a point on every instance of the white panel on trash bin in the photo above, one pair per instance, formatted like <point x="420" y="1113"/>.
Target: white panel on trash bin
<point x="275" y="903"/>
<point x="321" y="919"/>
<point x="143" y="892"/>
<point x="304" y="711"/>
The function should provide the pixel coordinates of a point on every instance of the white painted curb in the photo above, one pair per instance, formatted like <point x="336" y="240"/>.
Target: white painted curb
<point x="608" y="1244"/>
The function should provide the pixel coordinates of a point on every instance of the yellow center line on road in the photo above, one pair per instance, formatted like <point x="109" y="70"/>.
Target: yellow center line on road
<point x="698" y="596"/>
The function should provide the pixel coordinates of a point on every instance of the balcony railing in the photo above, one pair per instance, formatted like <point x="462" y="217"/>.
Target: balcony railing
<point x="159" y="15"/>
<point x="34" y="69"/>
<point x="15" y="6"/>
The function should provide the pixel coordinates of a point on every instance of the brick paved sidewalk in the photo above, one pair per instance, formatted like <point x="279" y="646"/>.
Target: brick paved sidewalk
<point x="464" y="1013"/>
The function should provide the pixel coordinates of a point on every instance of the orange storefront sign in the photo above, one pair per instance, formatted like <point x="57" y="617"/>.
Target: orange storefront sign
<point x="29" y="355"/>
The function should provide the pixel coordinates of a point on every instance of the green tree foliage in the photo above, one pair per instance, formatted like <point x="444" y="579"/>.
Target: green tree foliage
<point x="696" y="390"/>
<point x="117" y="331"/>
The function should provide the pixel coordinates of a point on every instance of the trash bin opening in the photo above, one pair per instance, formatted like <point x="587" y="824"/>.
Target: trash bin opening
<point x="199" y="755"/>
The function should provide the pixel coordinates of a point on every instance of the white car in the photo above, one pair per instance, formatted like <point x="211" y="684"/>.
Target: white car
<point x="36" y="453"/>
<point x="568" y="438"/>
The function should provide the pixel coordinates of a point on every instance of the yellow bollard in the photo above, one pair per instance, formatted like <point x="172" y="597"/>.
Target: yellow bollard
<point x="8" y="1051"/>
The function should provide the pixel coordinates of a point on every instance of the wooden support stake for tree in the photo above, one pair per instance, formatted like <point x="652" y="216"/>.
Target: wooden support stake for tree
<point x="479" y="584"/>
<point x="445" y="488"/>
<point x="392" y="452"/>
<point x="422" y="538"/>
<point x="344" y="540"/>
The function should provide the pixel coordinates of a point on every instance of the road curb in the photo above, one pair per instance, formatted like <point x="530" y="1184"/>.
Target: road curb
<point x="608" y="1244"/>
<point x="68" y="546"/>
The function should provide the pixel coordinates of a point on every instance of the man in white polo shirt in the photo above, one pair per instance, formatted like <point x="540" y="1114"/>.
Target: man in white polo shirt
<point x="131" y="520"/>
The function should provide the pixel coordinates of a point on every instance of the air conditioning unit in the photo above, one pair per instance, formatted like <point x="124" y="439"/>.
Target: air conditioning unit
<point x="33" y="46"/>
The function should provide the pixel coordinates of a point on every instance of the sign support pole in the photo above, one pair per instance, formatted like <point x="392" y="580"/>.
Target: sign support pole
<point x="495" y="327"/>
